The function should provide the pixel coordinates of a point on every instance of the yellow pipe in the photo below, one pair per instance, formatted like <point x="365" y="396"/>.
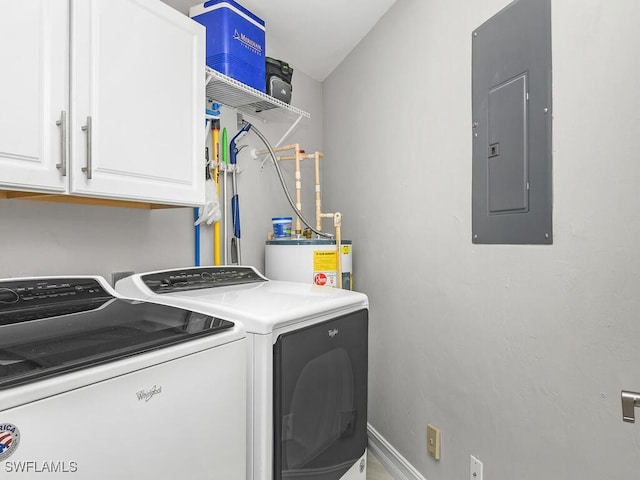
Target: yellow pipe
<point x="302" y="157"/>
<point x="337" y="222"/>
<point x="298" y="190"/>
<point x="276" y="149"/>
<point x="317" y="156"/>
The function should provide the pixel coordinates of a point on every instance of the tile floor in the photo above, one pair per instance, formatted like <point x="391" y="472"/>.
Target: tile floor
<point x="375" y="471"/>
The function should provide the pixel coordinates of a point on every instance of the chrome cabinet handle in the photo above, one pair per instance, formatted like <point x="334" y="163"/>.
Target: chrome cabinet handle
<point x="87" y="128"/>
<point x="62" y="123"/>
<point x="630" y="400"/>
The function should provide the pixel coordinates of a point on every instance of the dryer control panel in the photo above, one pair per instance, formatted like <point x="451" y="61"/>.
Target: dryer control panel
<point x="196" y="278"/>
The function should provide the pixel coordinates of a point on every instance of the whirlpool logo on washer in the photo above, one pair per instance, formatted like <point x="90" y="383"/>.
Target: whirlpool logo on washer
<point x="9" y="440"/>
<point x="333" y="332"/>
<point x="147" y="395"/>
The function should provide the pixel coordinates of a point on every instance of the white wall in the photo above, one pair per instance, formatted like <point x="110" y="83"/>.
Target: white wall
<point x="518" y="353"/>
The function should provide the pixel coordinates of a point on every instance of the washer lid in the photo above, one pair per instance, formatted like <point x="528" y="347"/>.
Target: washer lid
<point x="46" y="330"/>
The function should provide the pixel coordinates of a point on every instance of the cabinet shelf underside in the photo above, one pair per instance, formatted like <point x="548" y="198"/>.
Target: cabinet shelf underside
<point x="65" y="198"/>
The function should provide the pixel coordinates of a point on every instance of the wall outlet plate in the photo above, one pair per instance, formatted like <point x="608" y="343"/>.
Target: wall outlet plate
<point x="475" y="469"/>
<point x="433" y="441"/>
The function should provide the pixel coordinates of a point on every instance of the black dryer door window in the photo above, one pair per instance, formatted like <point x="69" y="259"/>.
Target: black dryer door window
<point x="320" y="399"/>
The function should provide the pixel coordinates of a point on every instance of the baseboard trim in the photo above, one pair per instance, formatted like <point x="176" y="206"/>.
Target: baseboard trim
<point x="397" y="466"/>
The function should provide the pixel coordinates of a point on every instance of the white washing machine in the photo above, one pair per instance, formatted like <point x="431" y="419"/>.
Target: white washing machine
<point x="307" y="365"/>
<point x="101" y="387"/>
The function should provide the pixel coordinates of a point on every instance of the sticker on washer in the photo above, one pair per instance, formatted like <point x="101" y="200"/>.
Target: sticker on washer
<point x="9" y="440"/>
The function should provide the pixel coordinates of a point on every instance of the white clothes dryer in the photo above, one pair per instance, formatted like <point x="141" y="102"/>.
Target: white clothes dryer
<point x="105" y="387"/>
<point x="307" y="365"/>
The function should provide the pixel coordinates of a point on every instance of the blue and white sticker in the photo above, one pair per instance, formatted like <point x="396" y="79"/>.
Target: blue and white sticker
<point x="9" y="440"/>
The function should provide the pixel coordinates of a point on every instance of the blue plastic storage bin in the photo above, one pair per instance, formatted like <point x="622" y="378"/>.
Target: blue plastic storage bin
<point x="235" y="41"/>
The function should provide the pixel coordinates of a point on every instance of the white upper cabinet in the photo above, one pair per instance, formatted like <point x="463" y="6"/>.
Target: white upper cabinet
<point x="34" y="93"/>
<point x="138" y="82"/>
<point x="130" y="75"/>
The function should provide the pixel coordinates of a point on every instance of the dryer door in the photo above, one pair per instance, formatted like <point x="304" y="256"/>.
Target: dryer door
<point x="320" y="398"/>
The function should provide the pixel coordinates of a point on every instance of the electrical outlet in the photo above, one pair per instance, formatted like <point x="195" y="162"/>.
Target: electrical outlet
<point x="433" y="441"/>
<point x="475" y="469"/>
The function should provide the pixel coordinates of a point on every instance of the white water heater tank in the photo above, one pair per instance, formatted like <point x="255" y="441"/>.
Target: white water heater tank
<point x="309" y="261"/>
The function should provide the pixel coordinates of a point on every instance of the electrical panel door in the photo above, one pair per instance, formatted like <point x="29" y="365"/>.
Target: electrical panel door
<point x="511" y="74"/>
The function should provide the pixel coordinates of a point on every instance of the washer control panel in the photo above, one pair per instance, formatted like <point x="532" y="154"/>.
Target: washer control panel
<point x="197" y="278"/>
<point x="17" y="294"/>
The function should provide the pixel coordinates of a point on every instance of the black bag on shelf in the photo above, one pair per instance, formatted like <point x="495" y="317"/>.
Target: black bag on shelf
<point x="279" y="75"/>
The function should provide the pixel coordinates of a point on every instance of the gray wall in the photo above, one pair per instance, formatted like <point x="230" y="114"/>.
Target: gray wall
<point x="40" y="238"/>
<point x="518" y="353"/>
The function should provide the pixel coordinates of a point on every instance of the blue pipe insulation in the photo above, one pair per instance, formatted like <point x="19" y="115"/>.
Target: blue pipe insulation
<point x="196" y="215"/>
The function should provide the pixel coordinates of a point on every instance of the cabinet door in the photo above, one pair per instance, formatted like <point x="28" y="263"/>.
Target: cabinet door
<point x="138" y="102"/>
<point x="34" y="52"/>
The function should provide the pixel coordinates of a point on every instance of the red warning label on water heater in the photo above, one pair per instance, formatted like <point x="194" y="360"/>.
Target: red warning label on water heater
<point x="320" y="279"/>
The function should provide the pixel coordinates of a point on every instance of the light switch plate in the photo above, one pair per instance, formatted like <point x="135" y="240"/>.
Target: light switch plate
<point x="433" y="441"/>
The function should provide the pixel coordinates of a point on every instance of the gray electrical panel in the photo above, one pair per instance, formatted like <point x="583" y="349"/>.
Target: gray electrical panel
<point x="511" y="75"/>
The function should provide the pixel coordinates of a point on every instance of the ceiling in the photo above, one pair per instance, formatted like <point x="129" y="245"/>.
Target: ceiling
<point x="313" y="36"/>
